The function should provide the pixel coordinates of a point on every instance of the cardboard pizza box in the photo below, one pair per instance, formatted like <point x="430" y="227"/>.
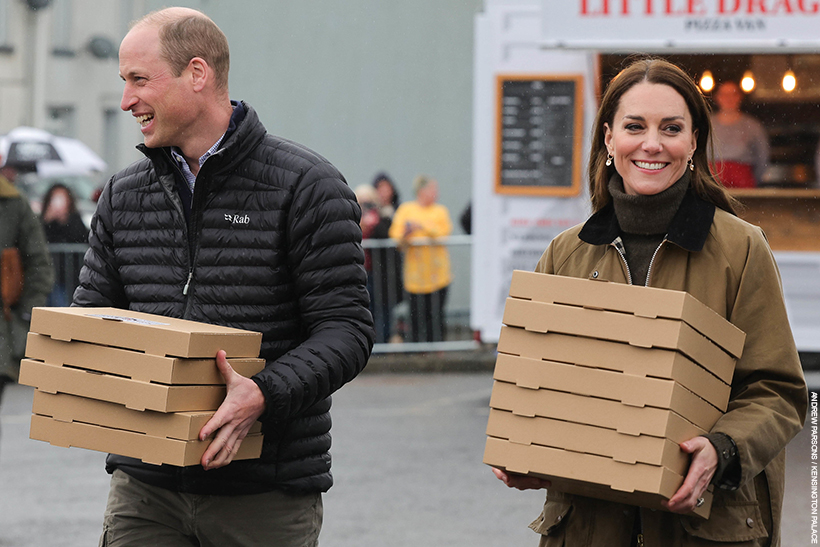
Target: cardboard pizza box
<point x="116" y="389"/>
<point x="149" y="333"/>
<point x="154" y="450"/>
<point x="649" y="302"/>
<point x="134" y="364"/>
<point x="619" y="357"/>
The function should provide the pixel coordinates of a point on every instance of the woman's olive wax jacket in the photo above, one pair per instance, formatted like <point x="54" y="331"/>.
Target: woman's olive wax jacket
<point x="727" y="264"/>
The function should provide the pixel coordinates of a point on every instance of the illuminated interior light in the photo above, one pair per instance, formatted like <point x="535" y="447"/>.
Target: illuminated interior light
<point x="789" y="82"/>
<point x="707" y="82"/>
<point x="747" y="83"/>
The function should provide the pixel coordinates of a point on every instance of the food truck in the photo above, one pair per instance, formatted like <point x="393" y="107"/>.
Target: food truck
<point x="540" y="67"/>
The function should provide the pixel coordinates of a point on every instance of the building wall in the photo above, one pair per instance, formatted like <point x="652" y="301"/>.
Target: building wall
<point x="51" y="80"/>
<point x="371" y="85"/>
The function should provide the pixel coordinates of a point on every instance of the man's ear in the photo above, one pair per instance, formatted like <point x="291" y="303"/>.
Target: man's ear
<point x="200" y="73"/>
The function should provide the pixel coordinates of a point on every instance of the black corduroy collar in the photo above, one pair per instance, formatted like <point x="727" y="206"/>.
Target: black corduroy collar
<point x="689" y="227"/>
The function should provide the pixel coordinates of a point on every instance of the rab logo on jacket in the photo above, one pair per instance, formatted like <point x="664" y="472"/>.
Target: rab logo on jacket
<point x="237" y="219"/>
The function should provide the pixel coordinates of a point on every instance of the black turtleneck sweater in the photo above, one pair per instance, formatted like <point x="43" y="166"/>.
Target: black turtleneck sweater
<point x="644" y="221"/>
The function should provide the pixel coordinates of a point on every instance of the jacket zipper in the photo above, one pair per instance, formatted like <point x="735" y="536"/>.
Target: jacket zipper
<point x="193" y="251"/>
<point x="652" y="261"/>
<point x="193" y="247"/>
<point x="639" y="539"/>
<point x="619" y="246"/>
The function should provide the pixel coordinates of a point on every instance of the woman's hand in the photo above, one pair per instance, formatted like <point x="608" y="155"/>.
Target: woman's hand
<point x="521" y="482"/>
<point x="701" y="470"/>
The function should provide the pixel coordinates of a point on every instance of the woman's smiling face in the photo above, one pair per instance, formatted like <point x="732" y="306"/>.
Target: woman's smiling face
<point x="651" y="138"/>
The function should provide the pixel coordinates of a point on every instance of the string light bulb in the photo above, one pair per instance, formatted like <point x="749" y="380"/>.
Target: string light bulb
<point x="707" y="81"/>
<point x="789" y="81"/>
<point x="747" y="83"/>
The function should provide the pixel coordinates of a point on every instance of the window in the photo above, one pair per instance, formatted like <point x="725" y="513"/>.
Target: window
<point x="61" y="28"/>
<point x="111" y="141"/>
<point x="5" y="46"/>
<point x="61" y="121"/>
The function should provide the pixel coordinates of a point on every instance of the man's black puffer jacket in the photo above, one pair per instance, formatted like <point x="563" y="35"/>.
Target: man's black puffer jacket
<point x="274" y="247"/>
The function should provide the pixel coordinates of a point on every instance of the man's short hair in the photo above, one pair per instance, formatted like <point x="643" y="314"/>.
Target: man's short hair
<point x="184" y="37"/>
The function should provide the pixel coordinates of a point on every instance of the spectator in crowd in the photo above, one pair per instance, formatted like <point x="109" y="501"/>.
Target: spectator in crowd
<point x="740" y="141"/>
<point x="63" y="224"/>
<point x="656" y="203"/>
<point x="367" y="198"/>
<point x="386" y="262"/>
<point x="416" y="227"/>
<point x="27" y="276"/>
<point x="466" y="219"/>
<point x="388" y="194"/>
<point x="224" y="223"/>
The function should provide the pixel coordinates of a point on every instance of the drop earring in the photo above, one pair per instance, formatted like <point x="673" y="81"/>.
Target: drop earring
<point x="609" y="159"/>
<point x="691" y="164"/>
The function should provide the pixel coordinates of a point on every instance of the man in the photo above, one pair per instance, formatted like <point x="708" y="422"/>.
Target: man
<point x="226" y="224"/>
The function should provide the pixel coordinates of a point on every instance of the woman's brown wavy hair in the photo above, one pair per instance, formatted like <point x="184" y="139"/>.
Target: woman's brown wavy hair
<point x="656" y="71"/>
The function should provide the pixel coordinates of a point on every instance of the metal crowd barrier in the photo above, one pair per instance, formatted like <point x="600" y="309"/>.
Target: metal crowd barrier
<point x="389" y="301"/>
<point x="67" y="259"/>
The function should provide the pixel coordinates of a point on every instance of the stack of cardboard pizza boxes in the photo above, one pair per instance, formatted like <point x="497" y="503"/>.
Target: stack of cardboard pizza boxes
<point x="597" y="383"/>
<point x="130" y="383"/>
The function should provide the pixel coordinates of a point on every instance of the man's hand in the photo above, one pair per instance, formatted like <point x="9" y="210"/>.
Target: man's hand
<point x="521" y="482"/>
<point x="701" y="470"/>
<point x="243" y="405"/>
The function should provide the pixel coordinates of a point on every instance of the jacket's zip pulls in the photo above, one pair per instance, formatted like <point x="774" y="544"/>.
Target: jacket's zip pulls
<point x="188" y="283"/>
<point x="619" y="246"/>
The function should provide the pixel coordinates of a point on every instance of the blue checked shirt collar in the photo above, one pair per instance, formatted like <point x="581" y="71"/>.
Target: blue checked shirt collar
<point x="190" y="178"/>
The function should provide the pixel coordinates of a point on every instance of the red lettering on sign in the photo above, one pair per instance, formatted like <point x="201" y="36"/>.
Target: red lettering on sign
<point x="696" y="7"/>
<point x="814" y="6"/>
<point x="781" y="5"/>
<point x="723" y="6"/>
<point x="602" y="5"/>
<point x="670" y="8"/>
<point x="760" y="5"/>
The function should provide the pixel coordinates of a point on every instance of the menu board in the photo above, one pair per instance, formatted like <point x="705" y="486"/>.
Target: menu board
<point x="539" y="124"/>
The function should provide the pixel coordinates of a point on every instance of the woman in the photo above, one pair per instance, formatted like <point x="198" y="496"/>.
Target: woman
<point x="61" y="220"/>
<point x="741" y="143"/>
<point x="385" y="261"/>
<point x="660" y="219"/>
<point x="388" y="194"/>
<point x="426" y="264"/>
<point x="63" y="224"/>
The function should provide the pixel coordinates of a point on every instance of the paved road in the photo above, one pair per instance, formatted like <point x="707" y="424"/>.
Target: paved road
<point x="407" y="461"/>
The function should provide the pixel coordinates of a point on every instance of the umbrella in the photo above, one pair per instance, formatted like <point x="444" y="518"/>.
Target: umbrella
<point x="29" y="150"/>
